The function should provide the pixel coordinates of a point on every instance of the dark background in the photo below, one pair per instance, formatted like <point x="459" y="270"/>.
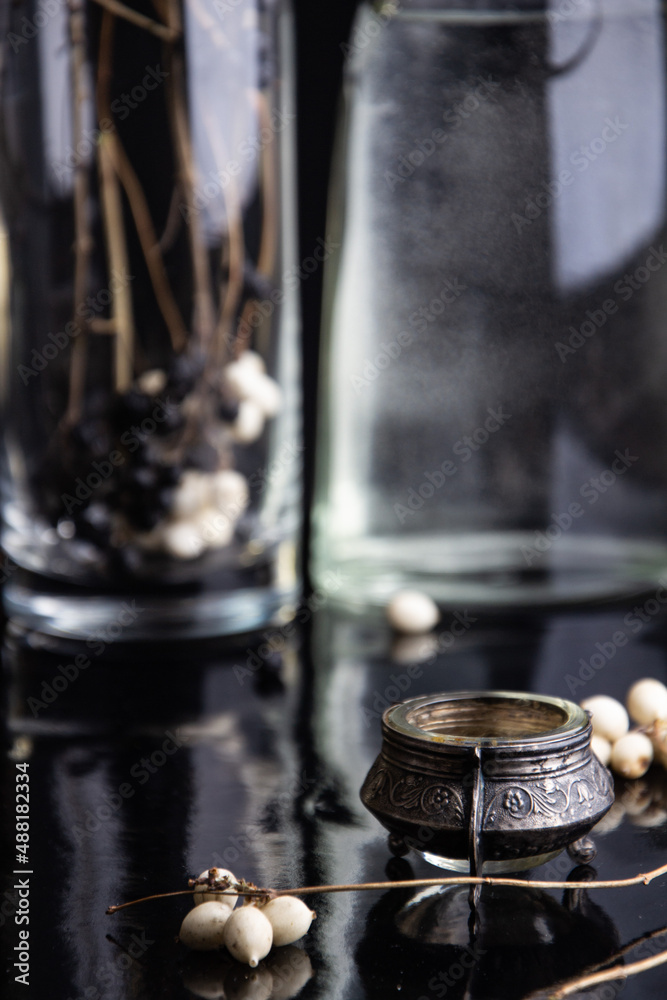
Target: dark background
<point x="322" y="29"/>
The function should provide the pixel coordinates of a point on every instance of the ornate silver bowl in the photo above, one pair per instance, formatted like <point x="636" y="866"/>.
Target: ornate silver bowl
<point x="486" y="781"/>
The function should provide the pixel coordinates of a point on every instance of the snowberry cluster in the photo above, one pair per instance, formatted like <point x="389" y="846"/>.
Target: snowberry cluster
<point x="630" y="752"/>
<point x="247" y="931"/>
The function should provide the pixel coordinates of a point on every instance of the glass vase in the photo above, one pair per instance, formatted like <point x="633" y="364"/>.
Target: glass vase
<point x="151" y="406"/>
<point x="493" y="415"/>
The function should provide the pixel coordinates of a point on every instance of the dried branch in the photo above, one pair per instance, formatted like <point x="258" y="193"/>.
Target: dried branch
<point x="204" y="319"/>
<point x="82" y="238"/>
<point x="616" y="972"/>
<point x="112" y="210"/>
<point x="239" y="888"/>
<point x="163" y="31"/>
<point x="118" y="160"/>
<point x="269" y="239"/>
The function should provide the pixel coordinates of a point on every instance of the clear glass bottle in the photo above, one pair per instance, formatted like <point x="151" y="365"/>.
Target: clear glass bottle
<point x="493" y="422"/>
<point x="151" y="403"/>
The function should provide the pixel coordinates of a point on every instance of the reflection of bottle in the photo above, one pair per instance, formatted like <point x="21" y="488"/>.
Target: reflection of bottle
<point x="493" y="411"/>
<point x="151" y="374"/>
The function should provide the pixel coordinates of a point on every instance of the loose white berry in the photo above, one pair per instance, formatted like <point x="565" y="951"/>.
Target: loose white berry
<point x="230" y="492"/>
<point x="215" y="527"/>
<point x="203" y="928"/>
<point x="248" y="935"/>
<point x="266" y="393"/>
<point x="249" y="423"/>
<point x="609" y="717"/>
<point x="412" y="612"/>
<point x="202" y="892"/>
<point x="647" y="701"/>
<point x="289" y="917"/>
<point x="241" y="377"/>
<point x="253" y="360"/>
<point x="194" y="491"/>
<point x="631" y="756"/>
<point x="601" y="747"/>
<point x="152" y="382"/>
<point x="183" y="539"/>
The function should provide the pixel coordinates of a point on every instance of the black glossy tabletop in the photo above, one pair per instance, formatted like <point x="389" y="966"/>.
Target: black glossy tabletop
<point x="154" y="763"/>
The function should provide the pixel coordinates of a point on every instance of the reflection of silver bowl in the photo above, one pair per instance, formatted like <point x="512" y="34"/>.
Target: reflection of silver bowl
<point x="509" y="942"/>
<point x="487" y="781"/>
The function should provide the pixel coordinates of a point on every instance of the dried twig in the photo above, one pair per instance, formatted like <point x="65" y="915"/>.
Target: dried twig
<point x="112" y="208"/>
<point x="115" y="159"/>
<point x="204" y="320"/>
<point x="415" y="883"/>
<point x="163" y="31"/>
<point x="607" y="975"/>
<point x="82" y="238"/>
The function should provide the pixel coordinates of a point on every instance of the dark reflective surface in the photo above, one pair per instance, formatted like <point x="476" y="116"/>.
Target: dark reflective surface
<point x="154" y="763"/>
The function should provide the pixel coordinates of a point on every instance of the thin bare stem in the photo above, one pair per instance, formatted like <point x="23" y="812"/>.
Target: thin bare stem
<point x="112" y="209"/>
<point x="607" y="975"/>
<point x="163" y="31"/>
<point x="267" y="250"/>
<point x="82" y="238"/>
<point x="422" y="883"/>
<point x="118" y="166"/>
<point x="269" y="239"/>
<point x="415" y="883"/>
<point x="204" y="319"/>
<point x="150" y="245"/>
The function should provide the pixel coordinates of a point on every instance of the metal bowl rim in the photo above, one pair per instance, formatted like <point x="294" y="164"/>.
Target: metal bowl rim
<point x="576" y="721"/>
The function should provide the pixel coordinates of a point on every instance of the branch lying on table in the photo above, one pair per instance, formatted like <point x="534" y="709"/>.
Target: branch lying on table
<point x="247" y="889"/>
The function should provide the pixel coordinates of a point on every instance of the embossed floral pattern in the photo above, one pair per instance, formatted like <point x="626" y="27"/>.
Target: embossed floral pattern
<point x="435" y="799"/>
<point x="517" y="802"/>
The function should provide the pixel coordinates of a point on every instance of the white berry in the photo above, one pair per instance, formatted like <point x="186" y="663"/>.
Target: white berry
<point x="631" y="756"/>
<point x="249" y="423"/>
<point x="601" y="747"/>
<point x="248" y="935"/>
<point x="412" y="612"/>
<point x="289" y="917"/>
<point x="215" y="527"/>
<point x="230" y="492"/>
<point x="203" y="928"/>
<point x="253" y="360"/>
<point x="194" y="491"/>
<point x="647" y="701"/>
<point x="202" y="892"/>
<point x="152" y="382"/>
<point x="183" y="539"/>
<point x="609" y="717"/>
<point x="266" y="393"/>
<point x="241" y="378"/>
